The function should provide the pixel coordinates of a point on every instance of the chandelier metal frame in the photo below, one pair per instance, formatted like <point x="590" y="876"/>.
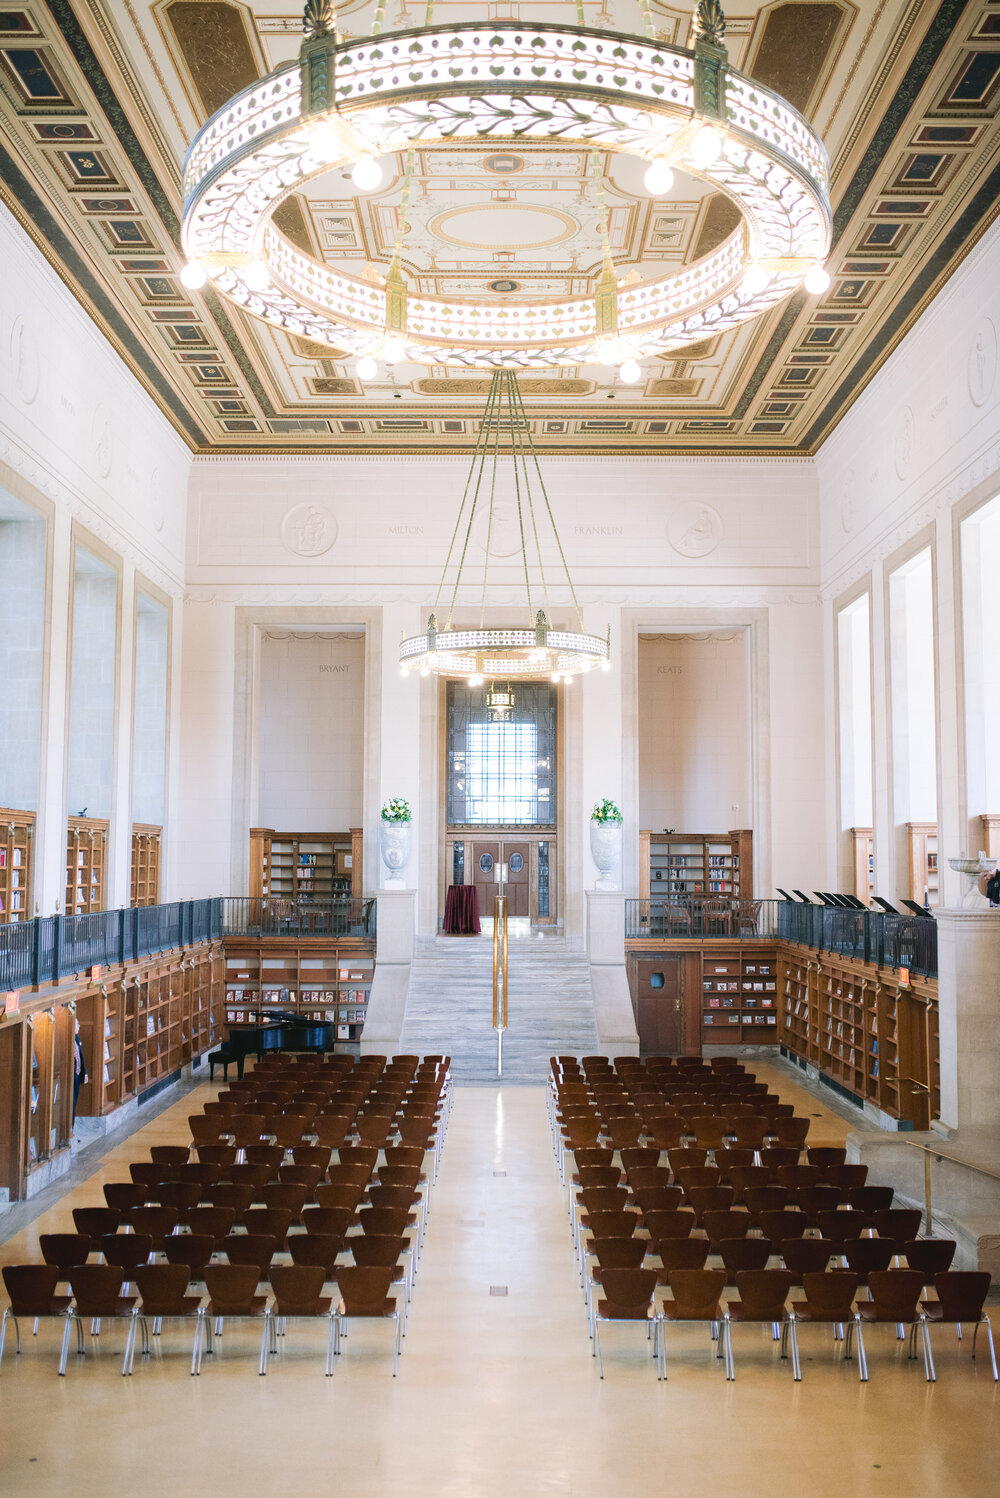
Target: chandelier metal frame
<point x="478" y="653"/>
<point x="514" y="83"/>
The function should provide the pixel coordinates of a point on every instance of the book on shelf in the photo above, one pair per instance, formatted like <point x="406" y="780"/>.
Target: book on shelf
<point x="107" y="1076"/>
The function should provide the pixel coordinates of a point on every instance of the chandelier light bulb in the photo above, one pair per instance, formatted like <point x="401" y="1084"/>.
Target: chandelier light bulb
<point x="326" y="142"/>
<point x="605" y="665"/>
<point x="755" y="278"/>
<point x="425" y="670"/>
<point x="475" y="680"/>
<point x="193" y="275"/>
<point x="630" y="373"/>
<point x="659" y="179"/>
<point x="606" y="350"/>
<point x="366" y="174"/>
<point x="706" y="146"/>
<point x="556" y="677"/>
<point x="393" y="350"/>
<point x="817" y="281"/>
<point x="257" y="276"/>
<point x="367" y="367"/>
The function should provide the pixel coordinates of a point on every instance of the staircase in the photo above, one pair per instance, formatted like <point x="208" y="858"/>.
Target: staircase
<point x="450" y="998"/>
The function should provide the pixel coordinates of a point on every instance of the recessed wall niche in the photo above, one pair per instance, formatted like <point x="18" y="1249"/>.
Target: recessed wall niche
<point x="149" y="732"/>
<point x="694" y="731"/>
<point x="310" y="730"/>
<point x="92" y="686"/>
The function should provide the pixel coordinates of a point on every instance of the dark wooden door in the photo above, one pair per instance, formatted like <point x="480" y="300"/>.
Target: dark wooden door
<point x="517" y="857"/>
<point x="667" y="1004"/>
<point x="485" y="858"/>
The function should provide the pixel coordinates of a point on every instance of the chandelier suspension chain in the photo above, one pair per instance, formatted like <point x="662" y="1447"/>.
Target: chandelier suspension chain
<point x="481" y="440"/>
<point x="493" y="489"/>
<point x="519" y="456"/>
<point x="475" y="501"/>
<point x="548" y="509"/>
<point x="515" y="442"/>
<point x="602" y="208"/>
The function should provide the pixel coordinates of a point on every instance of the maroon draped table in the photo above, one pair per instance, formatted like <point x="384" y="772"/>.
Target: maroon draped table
<point x="461" y="911"/>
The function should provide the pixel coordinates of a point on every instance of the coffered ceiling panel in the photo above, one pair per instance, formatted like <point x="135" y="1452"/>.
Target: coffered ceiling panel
<point x="99" y="101"/>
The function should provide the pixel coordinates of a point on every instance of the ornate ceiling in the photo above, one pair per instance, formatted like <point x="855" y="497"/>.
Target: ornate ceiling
<point x="100" y="98"/>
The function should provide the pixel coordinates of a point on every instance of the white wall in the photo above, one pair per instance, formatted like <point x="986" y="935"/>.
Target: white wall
<point x="919" y="451"/>
<point x="82" y="443"/>
<point x="22" y="640"/>
<point x="694" y="732"/>
<point x="653" y="547"/>
<point x="311" y="702"/>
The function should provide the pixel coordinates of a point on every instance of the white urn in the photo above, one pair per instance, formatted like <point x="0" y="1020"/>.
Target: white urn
<point x="394" y="845"/>
<point x="605" y="850"/>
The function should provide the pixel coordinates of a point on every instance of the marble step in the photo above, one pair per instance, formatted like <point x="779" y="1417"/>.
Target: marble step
<point x="449" y="1006"/>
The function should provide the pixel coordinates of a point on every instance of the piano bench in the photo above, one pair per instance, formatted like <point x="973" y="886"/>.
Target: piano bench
<point x="224" y="1057"/>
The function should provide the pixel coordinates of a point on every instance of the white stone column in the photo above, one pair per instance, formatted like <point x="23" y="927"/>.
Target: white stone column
<point x="952" y="815"/>
<point x="118" y="889"/>
<point x="50" y="831"/>
<point x="393" y="956"/>
<point x="605" y="938"/>
<point x="399" y="742"/>
<point x="601" y="725"/>
<point x="883" y="819"/>
<point x="969" y="1017"/>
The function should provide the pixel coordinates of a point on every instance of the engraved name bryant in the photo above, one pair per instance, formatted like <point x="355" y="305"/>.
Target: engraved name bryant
<point x="342" y="669"/>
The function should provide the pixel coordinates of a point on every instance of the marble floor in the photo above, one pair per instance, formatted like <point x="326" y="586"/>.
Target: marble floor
<point x="497" y="1394"/>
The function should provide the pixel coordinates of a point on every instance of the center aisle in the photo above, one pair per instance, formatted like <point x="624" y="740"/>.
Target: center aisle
<point x="497" y="1396"/>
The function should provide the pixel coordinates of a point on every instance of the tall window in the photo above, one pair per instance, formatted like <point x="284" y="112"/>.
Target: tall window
<point x="501" y="774"/>
<point x="854" y="690"/>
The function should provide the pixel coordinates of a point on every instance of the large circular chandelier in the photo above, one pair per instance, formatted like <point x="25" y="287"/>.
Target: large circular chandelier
<point x="342" y="103"/>
<point x="535" y="652"/>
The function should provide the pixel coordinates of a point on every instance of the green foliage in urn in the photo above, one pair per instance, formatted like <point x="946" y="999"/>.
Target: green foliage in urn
<point x="606" y="811"/>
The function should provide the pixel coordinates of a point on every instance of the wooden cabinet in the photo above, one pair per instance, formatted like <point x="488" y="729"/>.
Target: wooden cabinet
<point x="309" y="867"/>
<point x="870" y="1037"/>
<point x="989" y="836"/>
<point x="739" y="998"/>
<point x="922" y="851"/>
<point x="863" y="863"/>
<point x="676" y="865"/>
<point x="319" y="980"/>
<point x="86" y="852"/>
<point x="145" y="889"/>
<point x="704" y="994"/>
<point x="17" y="830"/>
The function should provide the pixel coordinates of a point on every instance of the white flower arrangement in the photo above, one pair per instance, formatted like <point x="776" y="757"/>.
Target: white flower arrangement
<point x="606" y="811"/>
<point x="396" y="810"/>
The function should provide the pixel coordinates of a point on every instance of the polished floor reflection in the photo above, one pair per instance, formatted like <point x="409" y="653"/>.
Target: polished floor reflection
<point x="497" y="1393"/>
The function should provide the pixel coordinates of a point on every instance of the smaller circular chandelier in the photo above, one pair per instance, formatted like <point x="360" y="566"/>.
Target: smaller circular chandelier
<point x="536" y="651"/>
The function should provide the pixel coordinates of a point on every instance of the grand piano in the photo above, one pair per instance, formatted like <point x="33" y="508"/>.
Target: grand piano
<point x="278" y="1032"/>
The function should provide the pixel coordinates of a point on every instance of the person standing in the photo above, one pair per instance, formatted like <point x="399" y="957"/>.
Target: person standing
<point x="79" y="1067"/>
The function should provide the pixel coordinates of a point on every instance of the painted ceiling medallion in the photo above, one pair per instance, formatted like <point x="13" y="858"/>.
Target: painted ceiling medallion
<point x="341" y="103"/>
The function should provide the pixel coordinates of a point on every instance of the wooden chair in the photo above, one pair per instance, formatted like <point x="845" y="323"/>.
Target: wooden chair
<point x="932" y="1256"/>
<point x="124" y="1195"/>
<point x="31" y="1291"/>
<point x="192" y="1251"/>
<point x="159" y="1223"/>
<point x="223" y="1155"/>
<point x="364" y="1295"/>
<point x="728" y="1223"/>
<point x="298" y="1295"/>
<point x="899" y="1223"/>
<point x="163" y="1297"/>
<point x="627" y="1296"/>
<point x="961" y="1295"/>
<point x="779" y="1226"/>
<point x="65" y="1251"/>
<point x="317" y="1248"/>
<point x="170" y="1154"/>
<point x="321" y="1219"/>
<point x="232" y="1293"/>
<point x="246" y="1249"/>
<point x="96" y="1221"/>
<point x="763" y="1293"/>
<point x="696" y="1294"/>
<point x="894" y="1296"/>
<point x="97" y="1296"/>
<point x="829" y="1300"/>
<point x="181" y="1195"/>
<point x="670" y="1224"/>
<point x="678" y="1253"/>
<point x="739" y="1254"/>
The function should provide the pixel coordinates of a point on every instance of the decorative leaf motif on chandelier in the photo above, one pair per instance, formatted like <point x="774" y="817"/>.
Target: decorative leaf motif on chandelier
<point x="711" y="22"/>
<point x="319" y="18"/>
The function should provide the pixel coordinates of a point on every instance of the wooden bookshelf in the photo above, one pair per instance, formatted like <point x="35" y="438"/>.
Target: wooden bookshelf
<point x="318" y="979"/>
<point x="145" y="864"/>
<point x="862" y="1031"/>
<point x="739" y="995"/>
<point x="309" y="867"/>
<point x="922" y="853"/>
<point x="863" y="863"/>
<point x="675" y="865"/>
<point x="989" y="836"/>
<point x="86" y="850"/>
<point x="17" y="833"/>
